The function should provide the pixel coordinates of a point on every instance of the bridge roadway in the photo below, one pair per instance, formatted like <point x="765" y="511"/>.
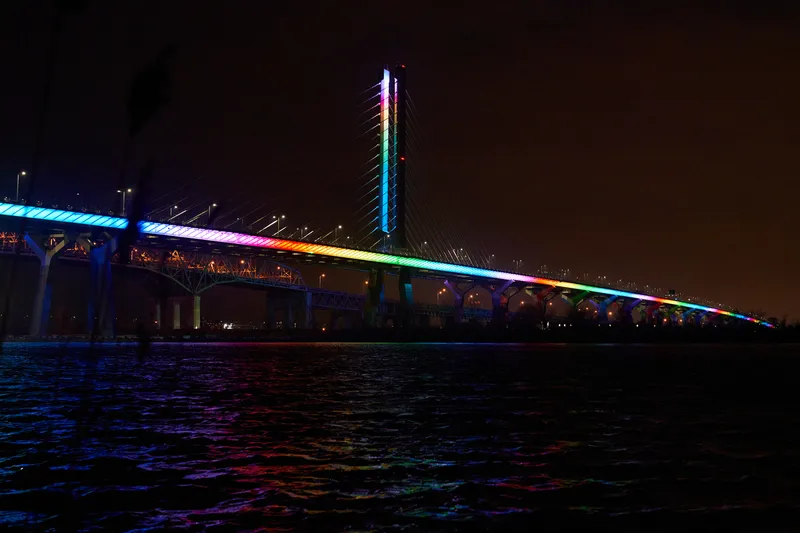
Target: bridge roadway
<point x="196" y="272"/>
<point x="44" y="221"/>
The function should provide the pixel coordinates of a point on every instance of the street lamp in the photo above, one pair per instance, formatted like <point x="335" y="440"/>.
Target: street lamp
<point x="209" y="211"/>
<point x="321" y="277"/>
<point x="437" y="296"/>
<point x="278" y="220"/>
<point x="170" y="210"/>
<point x="124" y="193"/>
<point x="20" y="173"/>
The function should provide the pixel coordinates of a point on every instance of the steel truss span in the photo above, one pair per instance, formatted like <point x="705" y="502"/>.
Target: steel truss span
<point x="257" y="241"/>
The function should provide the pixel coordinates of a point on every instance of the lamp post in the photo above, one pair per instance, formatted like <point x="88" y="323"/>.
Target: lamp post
<point x="437" y="296"/>
<point x="336" y="232"/>
<point x="278" y="219"/>
<point x="321" y="277"/>
<point x="20" y="173"/>
<point x="125" y="193"/>
<point x="209" y="211"/>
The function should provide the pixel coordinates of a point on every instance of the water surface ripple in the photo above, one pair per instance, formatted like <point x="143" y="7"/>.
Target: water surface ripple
<point x="377" y="437"/>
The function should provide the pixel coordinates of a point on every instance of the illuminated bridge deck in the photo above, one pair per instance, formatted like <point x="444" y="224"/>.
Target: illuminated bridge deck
<point x="228" y="241"/>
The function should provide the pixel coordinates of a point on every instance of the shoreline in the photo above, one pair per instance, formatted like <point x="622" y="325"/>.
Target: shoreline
<point x="508" y="336"/>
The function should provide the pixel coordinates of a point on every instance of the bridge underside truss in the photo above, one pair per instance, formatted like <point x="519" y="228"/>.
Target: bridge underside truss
<point x="197" y="272"/>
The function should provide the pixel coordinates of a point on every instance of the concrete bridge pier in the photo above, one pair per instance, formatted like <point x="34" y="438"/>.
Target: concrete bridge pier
<point x="499" y="302"/>
<point x="458" y="299"/>
<point x="176" y="314"/>
<point x="101" y="316"/>
<point x="698" y="318"/>
<point x="652" y="314"/>
<point x="157" y="314"/>
<point x="602" y="308"/>
<point x="305" y="310"/>
<point x="41" y="306"/>
<point x="541" y="299"/>
<point x="627" y="309"/>
<point x="196" y="312"/>
<point x="288" y="315"/>
<point x="406" y="311"/>
<point x="576" y="300"/>
<point x="295" y="306"/>
<point x="271" y="322"/>
<point x="374" y="297"/>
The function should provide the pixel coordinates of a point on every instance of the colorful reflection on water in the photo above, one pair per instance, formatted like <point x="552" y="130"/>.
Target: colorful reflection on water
<point x="378" y="437"/>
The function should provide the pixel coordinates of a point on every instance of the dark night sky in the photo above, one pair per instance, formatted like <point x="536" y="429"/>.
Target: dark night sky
<point x="653" y="144"/>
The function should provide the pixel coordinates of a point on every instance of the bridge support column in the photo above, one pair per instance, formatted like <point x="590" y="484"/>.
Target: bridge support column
<point x="499" y="302"/>
<point x="271" y="322"/>
<point x="458" y="299"/>
<point x="575" y="301"/>
<point x="374" y="297"/>
<point x="306" y="311"/>
<point x="602" y="308"/>
<point x="541" y="299"/>
<point x="102" y="318"/>
<point x="196" y="312"/>
<point x="406" y="298"/>
<point x="176" y="314"/>
<point x="651" y="314"/>
<point x="288" y="315"/>
<point x="626" y="312"/>
<point x="698" y="318"/>
<point x="41" y="306"/>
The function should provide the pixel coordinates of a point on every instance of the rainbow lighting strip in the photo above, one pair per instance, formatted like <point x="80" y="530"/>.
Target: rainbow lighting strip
<point x="385" y="127"/>
<point x="257" y="241"/>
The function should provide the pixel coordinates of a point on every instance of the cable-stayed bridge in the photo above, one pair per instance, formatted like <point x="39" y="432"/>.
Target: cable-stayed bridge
<point x="398" y="235"/>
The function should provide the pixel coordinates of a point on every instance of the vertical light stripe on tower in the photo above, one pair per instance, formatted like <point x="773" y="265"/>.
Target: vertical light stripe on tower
<point x="394" y="157"/>
<point x="384" y="188"/>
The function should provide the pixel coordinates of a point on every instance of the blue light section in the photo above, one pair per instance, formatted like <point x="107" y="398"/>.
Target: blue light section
<point x="383" y="196"/>
<point x="58" y="215"/>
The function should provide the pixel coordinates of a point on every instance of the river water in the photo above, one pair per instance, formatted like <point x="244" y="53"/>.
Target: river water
<point x="381" y="437"/>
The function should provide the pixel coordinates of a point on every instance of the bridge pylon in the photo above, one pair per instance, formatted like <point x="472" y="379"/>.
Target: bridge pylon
<point x="374" y="297"/>
<point x="45" y="249"/>
<point x="101" y="314"/>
